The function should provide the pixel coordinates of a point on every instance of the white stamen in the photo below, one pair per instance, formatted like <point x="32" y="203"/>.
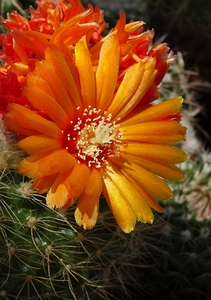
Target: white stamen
<point x="96" y="136"/>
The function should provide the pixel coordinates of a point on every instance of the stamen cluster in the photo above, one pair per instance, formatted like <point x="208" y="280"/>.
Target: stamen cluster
<point x="92" y="137"/>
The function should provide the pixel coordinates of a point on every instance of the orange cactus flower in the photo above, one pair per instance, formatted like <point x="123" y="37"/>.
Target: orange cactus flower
<point x="59" y="22"/>
<point x="93" y="140"/>
<point x="10" y="90"/>
<point x="135" y="46"/>
<point x="63" y="23"/>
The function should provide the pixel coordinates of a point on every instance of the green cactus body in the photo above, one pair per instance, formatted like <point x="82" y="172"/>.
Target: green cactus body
<point x="180" y="256"/>
<point x="45" y="256"/>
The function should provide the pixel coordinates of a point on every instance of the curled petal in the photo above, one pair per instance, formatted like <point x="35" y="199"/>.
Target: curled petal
<point x="68" y="186"/>
<point x="77" y="182"/>
<point x="59" y="193"/>
<point x="44" y="183"/>
<point x="38" y="165"/>
<point x="87" y="209"/>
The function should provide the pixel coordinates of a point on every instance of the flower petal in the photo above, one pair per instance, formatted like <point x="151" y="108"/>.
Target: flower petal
<point x="58" y="195"/>
<point x="119" y="206"/>
<point x="44" y="102"/>
<point x="148" y="181"/>
<point x="145" y="84"/>
<point x="44" y="183"/>
<point x="167" y="109"/>
<point x="68" y="186"/>
<point x="159" y="132"/>
<point x="146" y="196"/>
<point x="156" y="153"/>
<point x="65" y="74"/>
<point x="39" y="165"/>
<point x="86" y="213"/>
<point x="86" y="75"/>
<point x="36" y="145"/>
<point x="169" y="172"/>
<point x="136" y="201"/>
<point x="127" y="88"/>
<point x="45" y="78"/>
<point x="107" y="71"/>
<point x="27" y="122"/>
<point x="78" y="178"/>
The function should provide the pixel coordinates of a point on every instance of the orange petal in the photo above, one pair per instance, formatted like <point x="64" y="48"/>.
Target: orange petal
<point x="44" y="102"/>
<point x="121" y="209"/>
<point x="68" y="186"/>
<point x="145" y="84"/>
<point x="51" y="84"/>
<point x="65" y="75"/>
<point x="86" y="75"/>
<point x="155" y="139"/>
<point x="44" y="183"/>
<point x="87" y="210"/>
<point x="134" y="198"/>
<point x="107" y="71"/>
<point x="36" y="78"/>
<point x="25" y="121"/>
<point x="39" y="165"/>
<point x="29" y="41"/>
<point x="77" y="181"/>
<point x="160" y="132"/>
<point x="127" y="89"/>
<point x="36" y="145"/>
<point x="59" y="193"/>
<point x="156" y="127"/>
<point x="169" y="172"/>
<point x="71" y="29"/>
<point x="78" y="178"/>
<point x="156" y="153"/>
<point x="146" y="196"/>
<point x="148" y="181"/>
<point x="133" y="26"/>
<point x="161" y="111"/>
<point x="67" y="37"/>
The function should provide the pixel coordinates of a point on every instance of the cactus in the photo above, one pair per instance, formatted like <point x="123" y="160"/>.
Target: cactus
<point x="45" y="256"/>
<point x="180" y="256"/>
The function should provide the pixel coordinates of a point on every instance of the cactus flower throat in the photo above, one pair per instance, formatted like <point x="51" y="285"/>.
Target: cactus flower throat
<point x="92" y="137"/>
<point x="91" y="133"/>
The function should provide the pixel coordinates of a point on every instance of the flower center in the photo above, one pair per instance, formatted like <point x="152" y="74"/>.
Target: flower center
<point x="92" y="137"/>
